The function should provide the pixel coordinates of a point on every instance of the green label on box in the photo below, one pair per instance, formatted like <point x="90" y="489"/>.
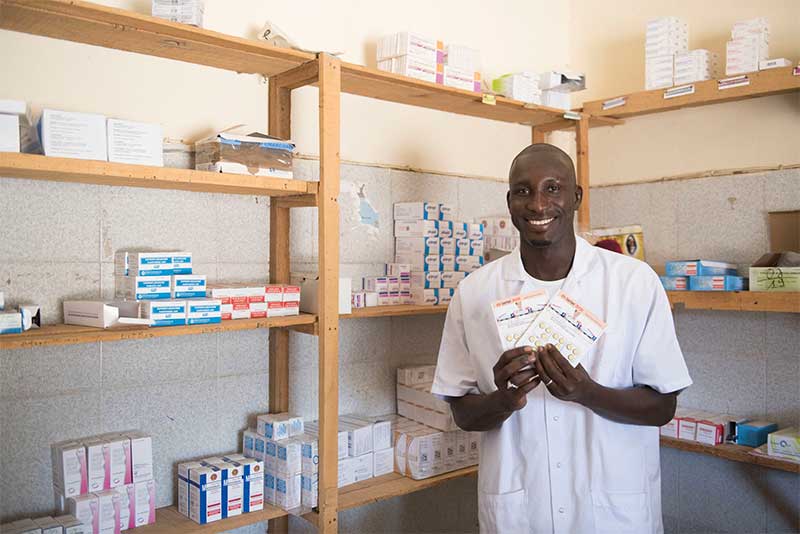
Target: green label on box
<point x="774" y="278"/>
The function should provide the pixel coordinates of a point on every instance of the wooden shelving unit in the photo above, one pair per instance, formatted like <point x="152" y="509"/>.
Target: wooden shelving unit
<point x="34" y="167"/>
<point x="65" y="334"/>
<point x="762" y="83"/>
<point x="395" y="311"/>
<point x="751" y="301"/>
<point x="736" y="453"/>
<point x="170" y="521"/>
<point x="393" y="485"/>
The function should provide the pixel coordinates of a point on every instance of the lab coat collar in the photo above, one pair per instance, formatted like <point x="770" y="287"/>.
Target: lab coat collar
<point x="585" y="257"/>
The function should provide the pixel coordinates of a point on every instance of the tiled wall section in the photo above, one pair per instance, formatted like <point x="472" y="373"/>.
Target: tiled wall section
<point x="195" y="394"/>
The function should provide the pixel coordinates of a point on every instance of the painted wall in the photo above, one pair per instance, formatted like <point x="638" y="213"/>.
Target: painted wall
<point x="192" y="101"/>
<point x="607" y="41"/>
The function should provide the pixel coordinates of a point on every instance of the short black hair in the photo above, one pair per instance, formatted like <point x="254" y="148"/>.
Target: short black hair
<point x="548" y="153"/>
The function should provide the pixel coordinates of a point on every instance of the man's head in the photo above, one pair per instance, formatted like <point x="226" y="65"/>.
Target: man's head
<point x="543" y="195"/>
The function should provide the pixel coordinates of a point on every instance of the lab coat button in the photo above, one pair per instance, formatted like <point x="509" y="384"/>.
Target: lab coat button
<point x="558" y="465"/>
<point x="555" y="418"/>
<point x="561" y="510"/>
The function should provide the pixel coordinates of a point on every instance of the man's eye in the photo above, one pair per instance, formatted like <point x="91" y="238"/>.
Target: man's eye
<point x="553" y="188"/>
<point x="521" y="191"/>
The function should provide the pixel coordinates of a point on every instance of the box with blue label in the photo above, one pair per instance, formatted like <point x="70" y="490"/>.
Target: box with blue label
<point x="426" y="280"/>
<point x="700" y="268"/>
<point x="188" y="286"/>
<point x="418" y="228"/>
<point x="416" y="245"/>
<point x="469" y="247"/>
<point x="468" y="264"/>
<point x="420" y="262"/>
<point x="717" y="283"/>
<point x="10" y="323"/>
<point x="446" y="212"/>
<point x="143" y="263"/>
<point x="165" y="312"/>
<point x="445" y="228"/>
<point x="181" y="263"/>
<point x="203" y="311"/>
<point x="675" y="283"/>
<point x="144" y="287"/>
<point x="416" y="211"/>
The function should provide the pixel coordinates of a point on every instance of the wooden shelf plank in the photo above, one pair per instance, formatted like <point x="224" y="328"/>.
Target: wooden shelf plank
<point x="763" y="83"/>
<point x="93" y="24"/>
<point x="754" y="301"/>
<point x="393" y="485"/>
<point x="170" y="521"/>
<point x="63" y="334"/>
<point x="35" y="167"/>
<point x="736" y="453"/>
<point x="394" y="311"/>
<point x="373" y="83"/>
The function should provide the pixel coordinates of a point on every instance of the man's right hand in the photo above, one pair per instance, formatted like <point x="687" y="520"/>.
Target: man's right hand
<point x="513" y="383"/>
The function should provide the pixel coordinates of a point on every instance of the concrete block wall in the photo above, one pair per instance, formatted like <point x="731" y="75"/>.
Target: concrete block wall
<point x="195" y="394"/>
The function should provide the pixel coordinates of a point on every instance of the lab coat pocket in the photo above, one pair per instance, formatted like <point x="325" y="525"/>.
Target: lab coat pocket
<point x="504" y="512"/>
<point x="620" y="512"/>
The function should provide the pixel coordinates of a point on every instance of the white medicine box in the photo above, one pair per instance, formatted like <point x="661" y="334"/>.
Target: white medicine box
<point x="66" y="134"/>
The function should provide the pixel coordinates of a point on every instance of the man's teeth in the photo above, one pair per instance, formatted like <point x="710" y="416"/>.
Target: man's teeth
<point x="540" y="222"/>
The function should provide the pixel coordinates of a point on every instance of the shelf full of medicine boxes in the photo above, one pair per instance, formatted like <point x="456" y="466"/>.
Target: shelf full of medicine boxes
<point x="751" y="85"/>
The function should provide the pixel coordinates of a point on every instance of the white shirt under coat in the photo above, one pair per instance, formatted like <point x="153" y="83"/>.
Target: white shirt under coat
<point x="555" y="466"/>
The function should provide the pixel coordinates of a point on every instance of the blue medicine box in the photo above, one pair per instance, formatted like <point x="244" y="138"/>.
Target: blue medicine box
<point x="700" y="268"/>
<point x="675" y="283"/>
<point x="754" y="433"/>
<point x="717" y="283"/>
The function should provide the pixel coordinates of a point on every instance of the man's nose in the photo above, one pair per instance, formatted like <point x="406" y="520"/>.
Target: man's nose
<point x="537" y="202"/>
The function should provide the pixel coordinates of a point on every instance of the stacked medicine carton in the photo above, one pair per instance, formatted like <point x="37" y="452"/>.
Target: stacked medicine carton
<point x="432" y="251"/>
<point x="551" y="88"/>
<point x="703" y="275"/>
<point x="665" y="37"/>
<point x="427" y="442"/>
<point x="106" y="481"/>
<point x="423" y="58"/>
<point x="169" y="293"/>
<point x="289" y="449"/>
<point x="748" y="47"/>
<point x="17" y="129"/>
<point x="63" y="524"/>
<point x="250" y="301"/>
<point x="696" y="66"/>
<point x="220" y="487"/>
<point x="522" y="86"/>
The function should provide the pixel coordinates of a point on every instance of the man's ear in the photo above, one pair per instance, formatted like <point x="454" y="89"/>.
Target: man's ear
<point x="578" y="196"/>
<point x="508" y="200"/>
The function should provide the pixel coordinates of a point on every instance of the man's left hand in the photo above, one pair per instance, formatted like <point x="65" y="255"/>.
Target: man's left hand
<point x="561" y="379"/>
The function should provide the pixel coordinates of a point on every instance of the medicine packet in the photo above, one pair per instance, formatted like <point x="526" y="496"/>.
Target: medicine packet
<point x="515" y="315"/>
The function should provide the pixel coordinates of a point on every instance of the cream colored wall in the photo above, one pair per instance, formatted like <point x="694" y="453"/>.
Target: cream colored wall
<point x="608" y="43"/>
<point x="191" y="101"/>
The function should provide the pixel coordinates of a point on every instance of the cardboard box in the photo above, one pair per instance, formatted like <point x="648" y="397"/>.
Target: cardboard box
<point x="627" y="240"/>
<point x="144" y="287"/>
<point x="288" y="492"/>
<point x="108" y="511"/>
<point x="346" y="473"/>
<point x="205" y="494"/>
<point x="675" y="283"/>
<point x="422" y="228"/>
<point x="309" y="483"/>
<point x="119" y="459"/>
<point x="102" y="314"/>
<point x="48" y="525"/>
<point x="164" y="312"/>
<point x="135" y="143"/>
<point x="253" y="482"/>
<point x="415" y="211"/>
<point x="312" y="427"/>
<point x="255" y="154"/>
<point x="203" y="311"/>
<point x="309" y="293"/>
<point x="717" y="283"/>
<point x="69" y="468"/>
<point x="767" y="274"/>
<point x="383" y="462"/>
<point x="9" y="133"/>
<point x="754" y="433"/>
<point x="363" y="466"/>
<point x="359" y="436"/>
<point x="418" y="46"/>
<point x="785" y="443"/>
<point x="97" y="469"/>
<point x="784" y="231"/>
<point x="416" y="246"/>
<point x="288" y="458"/>
<point x="426" y="280"/>
<point x="232" y="487"/>
<point x="279" y="426"/>
<point x="269" y="488"/>
<point x="84" y="508"/>
<point x="72" y="525"/>
<point x="188" y="286"/>
<point x="141" y="455"/>
<point x="183" y="487"/>
<point x="420" y="262"/>
<point x="66" y="134"/>
<point x="700" y="268"/>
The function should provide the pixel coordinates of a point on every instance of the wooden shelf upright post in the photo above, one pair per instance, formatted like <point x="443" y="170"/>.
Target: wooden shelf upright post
<point x="280" y="125"/>
<point x="330" y="72"/>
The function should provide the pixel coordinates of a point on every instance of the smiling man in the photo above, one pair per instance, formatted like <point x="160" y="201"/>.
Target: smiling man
<point x="572" y="450"/>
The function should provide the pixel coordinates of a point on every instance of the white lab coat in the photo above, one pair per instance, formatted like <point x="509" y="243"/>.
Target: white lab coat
<point x="555" y="466"/>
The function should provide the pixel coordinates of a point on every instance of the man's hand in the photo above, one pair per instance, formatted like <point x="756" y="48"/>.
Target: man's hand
<point x="515" y="377"/>
<point x="561" y="379"/>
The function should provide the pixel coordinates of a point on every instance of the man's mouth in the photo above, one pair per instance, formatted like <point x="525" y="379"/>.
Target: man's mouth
<point x="538" y="223"/>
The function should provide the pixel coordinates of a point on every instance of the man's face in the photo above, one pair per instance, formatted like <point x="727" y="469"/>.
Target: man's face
<point x="542" y="199"/>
